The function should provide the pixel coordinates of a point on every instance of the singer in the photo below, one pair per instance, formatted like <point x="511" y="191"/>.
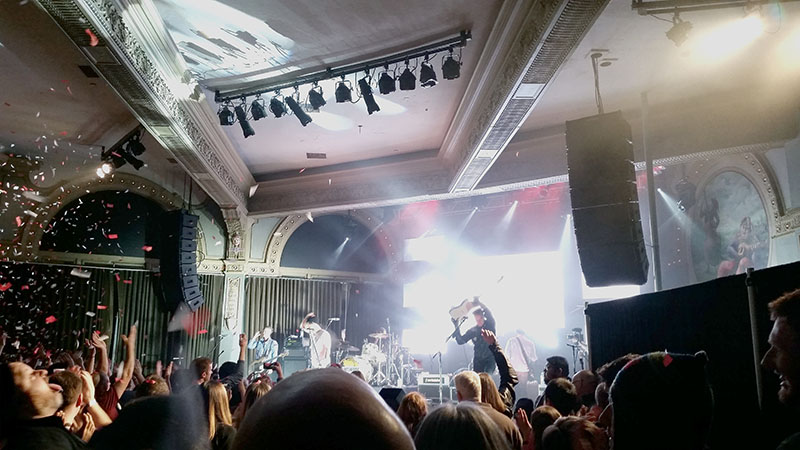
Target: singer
<point x="266" y="348"/>
<point x="319" y="342"/>
<point x="482" y="359"/>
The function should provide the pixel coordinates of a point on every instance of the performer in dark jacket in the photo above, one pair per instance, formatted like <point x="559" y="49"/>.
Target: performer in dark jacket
<point x="483" y="359"/>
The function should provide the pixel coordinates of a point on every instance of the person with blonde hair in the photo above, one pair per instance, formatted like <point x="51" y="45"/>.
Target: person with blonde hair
<point x="468" y="389"/>
<point x="255" y="391"/>
<point x="412" y="410"/>
<point x="220" y="427"/>
<point x="490" y="394"/>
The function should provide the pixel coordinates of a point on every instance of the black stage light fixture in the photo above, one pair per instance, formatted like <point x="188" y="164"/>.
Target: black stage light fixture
<point x="427" y="76"/>
<point x="366" y="93"/>
<point x="315" y="97"/>
<point x="276" y="106"/>
<point x="679" y="31"/>
<point x="298" y="111"/>
<point x="257" y="109"/>
<point x="451" y="69"/>
<point x="386" y="82"/>
<point x="116" y="158"/>
<point x="132" y="160"/>
<point x="135" y="145"/>
<point x="241" y="116"/>
<point x="408" y="81"/>
<point x="344" y="93"/>
<point x="225" y="115"/>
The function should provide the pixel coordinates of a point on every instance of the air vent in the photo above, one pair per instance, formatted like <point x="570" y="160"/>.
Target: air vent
<point x="316" y="155"/>
<point x="88" y="71"/>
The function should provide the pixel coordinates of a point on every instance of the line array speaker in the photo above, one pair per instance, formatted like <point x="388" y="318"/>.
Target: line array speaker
<point x="605" y="205"/>
<point x="179" y="279"/>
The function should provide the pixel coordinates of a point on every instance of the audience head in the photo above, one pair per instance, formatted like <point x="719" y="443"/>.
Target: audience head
<point x="169" y="422"/>
<point x="574" y="433"/>
<point x="608" y="371"/>
<point x="585" y="383"/>
<point x="182" y="379"/>
<point x="541" y="418"/>
<point x="490" y="394"/>
<point x="463" y="426"/>
<point x="601" y="395"/>
<point x="216" y="397"/>
<point x="413" y="408"/>
<point x="227" y="369"/>
<point x="153" y="385"/>
<point x="524" y="404"/>
<point x="561" y="395"/>
<point x="468" y="386"/>
<point x="71" y="389"/>
<point x="28" y="392"/>
<point x="657" y="392"/>
<point x="556" y="367"/>
<point x="783" y="356"/>
<point x="255" y="391"/>
<point x="358" y="374"/>
<point x="325" y="401"/>
<point x="201" y="368"/>
<point x="479" y="316"/>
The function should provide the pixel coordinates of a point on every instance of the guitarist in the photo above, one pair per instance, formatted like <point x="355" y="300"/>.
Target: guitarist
<point x="522" y="353"/>
<point x="266" y="348"/>
<point x="483" y="359"/>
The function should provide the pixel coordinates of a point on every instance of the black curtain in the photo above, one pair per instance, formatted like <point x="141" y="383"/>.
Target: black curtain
<point x="371" y="307"/>
<point x="713" y="317"/>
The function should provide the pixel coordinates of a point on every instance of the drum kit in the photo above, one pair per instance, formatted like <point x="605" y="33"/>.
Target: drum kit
<point x="381" y="360"/>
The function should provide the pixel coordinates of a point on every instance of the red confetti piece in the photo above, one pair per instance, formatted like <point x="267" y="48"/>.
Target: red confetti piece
<point x="667" y="360"/>
<point x="127" y="281"/>
<point x="36" y="350"/>
<point x="101" y="307"/>
<point x="147" y="248"/>
<point x="4" y="287"/>
<point x="112" y="236"/>
<point x="116" y="275"/>
<point x="63" y="133"/>
<point x="202" y="332"/>
<point x="109" y="205"/>
<point x="19" y="221"/>
<point x="50" y="319"/>
<point x="24" y="287"/>
<point x="93" y="41"/>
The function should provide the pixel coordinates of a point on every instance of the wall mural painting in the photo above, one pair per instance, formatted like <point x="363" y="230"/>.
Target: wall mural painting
<point x="731" y="232"/>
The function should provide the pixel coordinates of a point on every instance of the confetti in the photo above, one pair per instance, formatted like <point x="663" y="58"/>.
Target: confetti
<point x="31" y="196"/>
<point x="80" y="273"/>
<point x="253" y="189"/>
<point x="302" y="170"/>
<point x="116" y="275"/>
<point x="147" y="248"/>
<point x="24" y="287"/>
<point x="19" y="221"/>
<point x="4" y="287"/>
<point x="50" y="319"/>
<point x="667" y="360"/>
<point x="127" y="281"/>
<point x="90" y="314"/>
<point x="30" y="213"/>
<point x="112" y="236"/>
<point x="309" y="216"/>
<point x="93" y="41"/>
<point x="101" y="307"/>
<point x="204" y="331"/>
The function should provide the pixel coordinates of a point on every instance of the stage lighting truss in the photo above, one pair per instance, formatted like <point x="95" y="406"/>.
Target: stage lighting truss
<point x="403" y="69"/>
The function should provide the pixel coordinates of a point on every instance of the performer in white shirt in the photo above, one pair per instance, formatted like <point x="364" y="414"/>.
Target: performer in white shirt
<point x="319" y="342"/>
<point x="521" y="352"/>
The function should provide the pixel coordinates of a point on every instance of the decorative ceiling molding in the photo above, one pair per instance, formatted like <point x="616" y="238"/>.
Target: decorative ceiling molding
<point x="518" y="63"/>
<point x="137" y="57"/>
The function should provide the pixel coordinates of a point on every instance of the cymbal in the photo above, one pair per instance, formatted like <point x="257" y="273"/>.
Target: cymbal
<point x="350" y="348"/>
<point x="379" y="335"/>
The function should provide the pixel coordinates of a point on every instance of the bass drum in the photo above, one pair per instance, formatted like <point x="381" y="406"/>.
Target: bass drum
<point x="353" y="363"/>
<point x="373" y="353"/>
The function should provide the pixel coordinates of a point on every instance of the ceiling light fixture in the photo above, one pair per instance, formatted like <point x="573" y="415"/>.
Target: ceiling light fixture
<point x="408" y="81"/>
<point x="679" y="31"/>
<point x="296" y="109"/>
<point x="276" y="105"/>
<point x="366" y="93"/>
<point x="316" y="97"/>
<point x="386" y="83"/>
<point x="241" y="116"/>
<point x="427" y="76"/>
<point x="257" y="109"/>
<point x="451" y="69"/>
<point x="344" y="93"/>
<point x="225" y="115"/>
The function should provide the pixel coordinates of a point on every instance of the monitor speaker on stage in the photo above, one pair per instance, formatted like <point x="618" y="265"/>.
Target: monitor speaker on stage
<point x="179" y="281"/>
<point x="605" y="205"/>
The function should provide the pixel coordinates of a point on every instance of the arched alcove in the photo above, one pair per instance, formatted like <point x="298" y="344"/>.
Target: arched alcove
<point x="109" y="222"/>
<point x="337" y="243"/>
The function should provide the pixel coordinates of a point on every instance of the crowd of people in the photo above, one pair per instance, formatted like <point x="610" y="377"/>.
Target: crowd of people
<point x="81" y="401"/>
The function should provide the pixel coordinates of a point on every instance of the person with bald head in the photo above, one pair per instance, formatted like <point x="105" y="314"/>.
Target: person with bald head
<point x="28" y="417"/>
<point x="315" y="408"/>
<point x="585" y="383"/>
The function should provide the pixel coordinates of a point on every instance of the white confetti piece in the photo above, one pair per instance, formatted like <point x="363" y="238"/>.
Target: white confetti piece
<point x="80" y="273"/>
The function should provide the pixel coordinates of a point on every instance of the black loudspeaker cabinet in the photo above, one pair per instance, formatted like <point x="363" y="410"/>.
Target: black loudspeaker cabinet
<point x="393" y="397"/>
<point x="179" y="280"/>
<point x="605" y="204"/>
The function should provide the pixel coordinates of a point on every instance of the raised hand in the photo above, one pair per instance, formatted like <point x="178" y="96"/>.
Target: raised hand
<point x="489" y="337"/>
<point x="524" y="425"/>
<point x="242" y="340"/>
<point x="88" y="428"/>
<point x="88" y="386"/>
<point x="97" y="342"/>
<point x="159" y="368"/>
<point x="131" y="337"/>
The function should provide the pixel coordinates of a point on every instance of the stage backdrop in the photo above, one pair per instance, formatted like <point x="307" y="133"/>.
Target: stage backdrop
<point x="713" y="317"/>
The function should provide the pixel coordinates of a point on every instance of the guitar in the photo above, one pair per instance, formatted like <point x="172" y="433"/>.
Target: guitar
<point x="462" y="309"/>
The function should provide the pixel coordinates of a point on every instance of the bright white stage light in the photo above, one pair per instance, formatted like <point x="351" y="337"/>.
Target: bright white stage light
<point x="610" y="292"/>
<point x="433" y="249"/>
<point x="723" y="41"/>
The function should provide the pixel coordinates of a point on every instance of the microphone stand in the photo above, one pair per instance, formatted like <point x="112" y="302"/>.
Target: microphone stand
<point x="439" y="354"/>
<point x="457" y="330"/>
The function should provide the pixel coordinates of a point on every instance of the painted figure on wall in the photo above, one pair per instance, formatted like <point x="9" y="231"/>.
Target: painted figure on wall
<point x="741" y="253"/>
